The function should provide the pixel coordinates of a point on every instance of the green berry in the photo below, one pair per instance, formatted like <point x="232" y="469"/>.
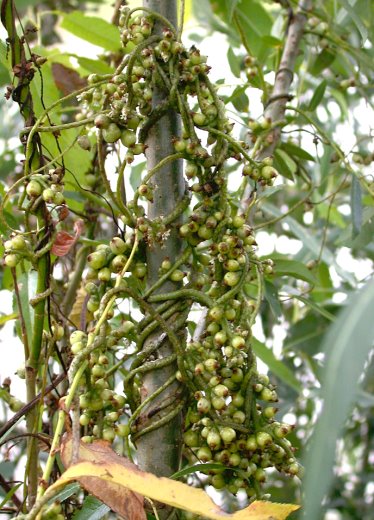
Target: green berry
<point x="227" y="434"/>
<point x="112" y="133"/>
<point x="34" y="189"/>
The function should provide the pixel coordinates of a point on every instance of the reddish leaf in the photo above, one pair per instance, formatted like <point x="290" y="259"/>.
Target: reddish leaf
<point x="64" y="242"/>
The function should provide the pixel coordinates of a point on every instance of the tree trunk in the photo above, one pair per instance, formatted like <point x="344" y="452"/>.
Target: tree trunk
<point x="159" y="451"/>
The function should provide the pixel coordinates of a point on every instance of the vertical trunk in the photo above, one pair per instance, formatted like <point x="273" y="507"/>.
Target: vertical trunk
<point x="159" y="450"/>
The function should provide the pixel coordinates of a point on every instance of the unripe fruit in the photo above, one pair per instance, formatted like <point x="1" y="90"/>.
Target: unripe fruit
<point x="112" y="416"/>
<point x="218" y="403"/>
<point x="98" y="371"/>
<point x="238" y="342"/>
<point x="216" y="313"/>
<point x="77" y="347"/>
<point x="77" y="335"/>
<point x="218" y="481"/>
<point x="57" y="331"/>
<point x="227" y="434"/>
<point x="231" y="279"/>
<point x="203" y="405"/>
<point x="15" y="404"/>
<point x="199" y="119"/>
<point x="48" y="195"/>
<point x="269" y="412"/>
<point x="117" y="246"/>
<point x="234" y="459"/>
<point x="112" y="133"/>
<point x="251" y="443"/>
<point x="239" y="417"/>
<point x="140" y="270"/>
<point x="191" y="438"/>
<point x="84" y="419"/>
<point x="263" y="439"/>
<point x="97" y="259"/>
<point x="109" y="434"/>
<point x="213" y="440"/>
<point x="34" y="189"/>
<point x="268" y="172"/>
<point x="220" y="338"/>
<point x="11" y="260"/>
<point x="123" y="430"/>
<point x="177" y="275"/>
<point x="128" y="138"/>
<point x="221" y="390"/>
<point x="104" y="274"/>
<point x="238" y="400"/>
<point x="18" y="243"/>
<point x="204" y="454"/>
<point x="260" y="475"/>
<point x="102" y="121"/>
<point x="118" y="263"/>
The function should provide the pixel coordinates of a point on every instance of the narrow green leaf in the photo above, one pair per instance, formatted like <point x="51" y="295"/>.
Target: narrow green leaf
<point x="193" y="469"/>
<point x="356" y="19"/>
<point x="285" y="164"/>
<point x="294" y="150"/>
<point x="239" y="99"/>
<point x="67" y="492"/>
<point x="136" y="175"/>
<point x="92" y="509"/>
<point x="95" y="66"/>
<point x="356" y="206"/>
<point x="92" y="29"/>
<point x="271" y="295"/>
<point x="317" y="96"/>
<point x="309" y="241"/>
<point x="322" y="61"/>
<point x="234" y="62"/>
<point x="26" y="287"/>
<point x="347" y="345"/>
<point x="313" y="305"/>
<point x="9" y="495"/>
<point x="284" y="267"/>
<point x="275" y="365"/>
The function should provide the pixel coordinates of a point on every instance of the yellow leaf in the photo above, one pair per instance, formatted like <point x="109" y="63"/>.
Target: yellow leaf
<point x="109" y="467"/>
<point x="76" y="311"/>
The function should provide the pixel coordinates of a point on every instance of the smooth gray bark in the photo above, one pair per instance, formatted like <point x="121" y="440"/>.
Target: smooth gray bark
<point x="159" y="451"/>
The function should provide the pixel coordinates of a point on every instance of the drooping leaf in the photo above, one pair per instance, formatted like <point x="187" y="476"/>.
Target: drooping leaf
<point x="285" y="164"/>
<point x="285" y="267"/>
<point x="317" y="96"/>
<point x="92" y="29"/>
<point x="9" y="495"/>
<point x="313" y="305"/>
<point x="233" y="62"/>
<point x="356" y="206"/>
<point x="92" y="509"/>
<point x="294" y="150"/>
<point x="323" y="60"/>
<point x="275" y="365"/>
<point x="360" y="24"/>
<point x="101" y="467"/>
<point x="271" y="295"/>
<point x="347" y="346"/>
<point x="309" y="241"/>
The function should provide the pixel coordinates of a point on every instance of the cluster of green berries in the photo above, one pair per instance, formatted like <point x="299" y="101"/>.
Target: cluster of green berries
<point x="52" y="512"/>
<point x="15" y="249"/>
<point x="231" y="416"/>
<point x="101" y="407"/>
